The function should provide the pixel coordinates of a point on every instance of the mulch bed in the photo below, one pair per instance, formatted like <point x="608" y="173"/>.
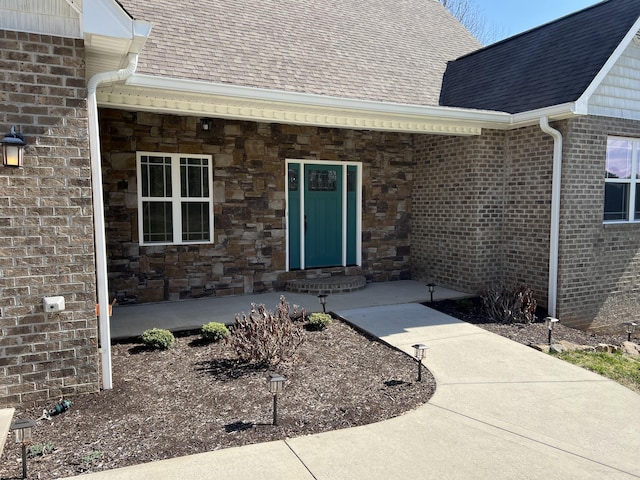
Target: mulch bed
<point x="196" y="397"/>
<point x="470" y="310"/>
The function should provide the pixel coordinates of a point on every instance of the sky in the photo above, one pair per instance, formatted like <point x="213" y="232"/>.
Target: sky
<point x="509" y="17"/>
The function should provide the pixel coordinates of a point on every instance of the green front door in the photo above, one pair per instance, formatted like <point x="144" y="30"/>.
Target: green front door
<point x="323" y="215"/>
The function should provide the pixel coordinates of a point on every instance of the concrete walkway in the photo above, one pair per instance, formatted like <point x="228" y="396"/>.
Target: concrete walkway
<point x="501" y="411"/>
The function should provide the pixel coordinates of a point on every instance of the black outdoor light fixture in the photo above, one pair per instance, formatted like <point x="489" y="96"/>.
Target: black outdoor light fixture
<point x="432" y="288"/>
<point x="323" y="301"/>
<point x="419" y="351"/>
<point x="24" y="434"/>
<point x="550" y="323"/>
<point x="276" y="385"/>
<point x="630" y="329"/>
<point x="206" y="124"/>
<point x="13" y="148"/>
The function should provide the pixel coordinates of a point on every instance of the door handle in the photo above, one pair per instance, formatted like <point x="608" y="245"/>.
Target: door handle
<point x="305" y="224"/>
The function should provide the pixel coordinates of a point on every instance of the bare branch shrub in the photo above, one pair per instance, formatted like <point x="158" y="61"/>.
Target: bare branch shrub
<point x="266" y="337"/>
<point x="505" y="305"/>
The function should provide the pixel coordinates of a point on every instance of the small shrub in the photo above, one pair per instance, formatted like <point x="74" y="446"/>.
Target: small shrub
<point x="214" y="331"/>
<point x="158" y="338"/>
<point x="266" y="337"/>
<point x="318" y="321"/>
<point x="510" y="305"/>
<point x="40" y="449"/>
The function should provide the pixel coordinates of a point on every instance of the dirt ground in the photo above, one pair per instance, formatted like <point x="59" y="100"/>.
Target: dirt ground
<point x="195" y="397"/>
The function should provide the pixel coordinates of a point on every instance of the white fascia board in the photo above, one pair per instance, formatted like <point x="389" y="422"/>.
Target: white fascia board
<point x="584" y="99"/>
<point x="448" y="114"/>
<point x="554" y="112"/>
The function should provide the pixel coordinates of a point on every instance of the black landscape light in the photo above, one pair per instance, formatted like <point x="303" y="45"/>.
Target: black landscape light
<point x="419" y="351"/>
<point x="24" y="434"/>
<point x="323" y="301"/>
<point x="432" y="288"/>
<point x="276" y="385"/>
<point x="630" y="329"/>
<point x="550" y="323"/>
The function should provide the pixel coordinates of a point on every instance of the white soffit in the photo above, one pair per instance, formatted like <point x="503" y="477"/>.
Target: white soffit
<point x="110" y="34"/>
<point x="147" y="93"/>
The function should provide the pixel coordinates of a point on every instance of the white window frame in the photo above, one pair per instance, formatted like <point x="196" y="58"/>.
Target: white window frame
<point x="176" y="199"/>
<point x="633" y="181"/>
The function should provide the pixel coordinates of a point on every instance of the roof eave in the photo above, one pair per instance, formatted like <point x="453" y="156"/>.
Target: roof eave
<point x="189" y="97"/>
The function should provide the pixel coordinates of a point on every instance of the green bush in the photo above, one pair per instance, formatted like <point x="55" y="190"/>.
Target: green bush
<point x="318" y="321"/>
<point x="264" y="337"/>
<point x="214" y="331"/>
<point x="158" y="338"/>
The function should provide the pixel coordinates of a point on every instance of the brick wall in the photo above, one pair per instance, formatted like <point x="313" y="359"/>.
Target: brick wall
<point x="481" y="210"/>
<point x="46" y="244"/>
<point x="249" y="251"/>
<point x="599" y="281"/>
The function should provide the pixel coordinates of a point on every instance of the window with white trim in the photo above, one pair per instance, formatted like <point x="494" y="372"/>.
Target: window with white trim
<point x="175" y="198"/>
<point x="622" y="181"/>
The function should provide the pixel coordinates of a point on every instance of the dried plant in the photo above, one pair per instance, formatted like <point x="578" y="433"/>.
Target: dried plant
<point x="505" y="305"/>
<point x="266" y="337"/>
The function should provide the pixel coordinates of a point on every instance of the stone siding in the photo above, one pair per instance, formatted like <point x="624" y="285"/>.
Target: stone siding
<point x="249" y="249"/>
<point x="46" y="224"/>
<point x="599" y="281"/>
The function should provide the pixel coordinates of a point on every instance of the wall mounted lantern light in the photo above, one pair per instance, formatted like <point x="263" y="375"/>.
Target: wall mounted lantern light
<point x="13" y="148"/>
<point x="206" y="124"/>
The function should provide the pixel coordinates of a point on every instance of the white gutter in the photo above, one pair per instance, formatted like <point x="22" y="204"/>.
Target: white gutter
<point x="554" y="242"/>
<point x="102" y="284"/>
<point x="183" y="86"/>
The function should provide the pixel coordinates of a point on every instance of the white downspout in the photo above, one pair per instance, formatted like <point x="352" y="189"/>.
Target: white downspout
<point x="102" y="284"/>
<point x="554" y="242"/>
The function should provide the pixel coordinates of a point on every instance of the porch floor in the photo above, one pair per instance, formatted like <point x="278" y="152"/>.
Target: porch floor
<point x="131" y="320"/>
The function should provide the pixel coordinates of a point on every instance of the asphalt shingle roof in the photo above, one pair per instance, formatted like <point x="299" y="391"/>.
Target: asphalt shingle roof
<point x="549" y="65"/>
<point x="379" y="50"/>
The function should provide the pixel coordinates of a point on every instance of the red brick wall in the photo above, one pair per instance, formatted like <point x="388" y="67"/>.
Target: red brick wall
<point x="249" y="252"/>
<point x="46" y="244"/>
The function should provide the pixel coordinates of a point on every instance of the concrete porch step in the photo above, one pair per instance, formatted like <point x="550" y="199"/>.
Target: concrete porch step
<point x="327" y="285"/>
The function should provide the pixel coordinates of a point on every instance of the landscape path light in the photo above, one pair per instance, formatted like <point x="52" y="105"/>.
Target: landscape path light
<point x="323" y="301"/>
<point x="419" y="351"/>
<point x="630" y="328"/>
<point x="276" y="385"/>
<point x="432" y="288"/>
<point x="24" y="435"/>
<point x="550" y="323"/>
